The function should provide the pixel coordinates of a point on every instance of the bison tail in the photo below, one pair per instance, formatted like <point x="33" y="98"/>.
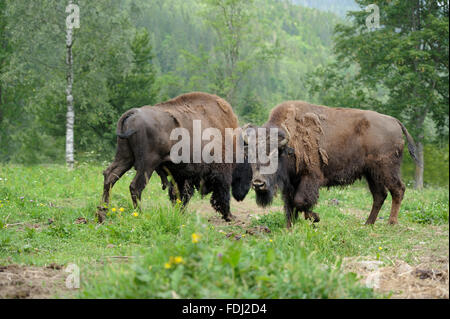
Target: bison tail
<point x="411" y="144"/>
<point x="127" y="134"/>
<point x="121" y="123"/>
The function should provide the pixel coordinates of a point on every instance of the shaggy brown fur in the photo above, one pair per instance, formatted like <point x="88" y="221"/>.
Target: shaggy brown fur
<point x="336" y="146"/>
<point x="144" y="142"/>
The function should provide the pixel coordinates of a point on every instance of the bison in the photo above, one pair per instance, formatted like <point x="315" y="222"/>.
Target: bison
<point x="144" y="142"/>
<point x="321" y="146"/>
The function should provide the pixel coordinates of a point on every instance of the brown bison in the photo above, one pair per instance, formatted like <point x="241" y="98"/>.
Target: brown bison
<point x="322" y="146"/>
<point x="144" y="141"/>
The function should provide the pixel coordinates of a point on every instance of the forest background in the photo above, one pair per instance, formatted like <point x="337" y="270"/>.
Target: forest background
<point x="255" y="54"/>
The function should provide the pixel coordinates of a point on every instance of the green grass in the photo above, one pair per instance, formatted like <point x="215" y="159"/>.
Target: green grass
<point x="302" y="263"/>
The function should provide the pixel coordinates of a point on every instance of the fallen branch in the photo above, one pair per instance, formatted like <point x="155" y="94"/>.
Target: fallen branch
<point x="120" y="257"/>
<point x="15" y="224"/>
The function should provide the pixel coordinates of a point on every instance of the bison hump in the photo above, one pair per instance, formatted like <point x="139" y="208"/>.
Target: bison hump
<point x="223" y="105"/>
<point x="306" y="136"/>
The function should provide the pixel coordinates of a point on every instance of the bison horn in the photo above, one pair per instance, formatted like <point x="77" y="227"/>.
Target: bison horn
<point x="244" y="133"/>
<point x="288" y="136"/>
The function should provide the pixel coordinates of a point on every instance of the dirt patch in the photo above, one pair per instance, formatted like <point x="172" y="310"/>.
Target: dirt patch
<point x="424" y="281"/>
<point x="258" y="230"/>
<point x="81" y="220"/>
<point x="30" y="282"/>
<point x="242" y="211"/>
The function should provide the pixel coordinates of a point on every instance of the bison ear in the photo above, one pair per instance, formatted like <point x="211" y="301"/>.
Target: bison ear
<point x="241" y="180"/>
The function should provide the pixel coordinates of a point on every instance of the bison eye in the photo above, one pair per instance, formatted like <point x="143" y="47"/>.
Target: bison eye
<point x="289" y="150"/>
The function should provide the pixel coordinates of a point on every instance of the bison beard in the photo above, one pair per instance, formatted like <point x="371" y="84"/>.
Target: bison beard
<point x="144" y="142"/>
<point x="264" y="198"/>
<point x="242" y="175"/>
<point x="331" y="147"/>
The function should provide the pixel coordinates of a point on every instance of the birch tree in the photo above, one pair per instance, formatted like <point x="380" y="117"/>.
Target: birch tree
<point x="72" y="22"/>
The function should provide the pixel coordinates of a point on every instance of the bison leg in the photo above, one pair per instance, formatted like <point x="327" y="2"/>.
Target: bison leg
<point x="290" y="213"/>
<point x="306" y="197"/>
<point x="138" y="184"/>
<point x="312" y="216"/>
<point x="220" y="200"/>
<point x="379" y="194"/>
<point x="397" y="190"/>
<point x="186" y="189"/>
<point x="111" y="176"/>
<point x="187" y="192"/>
<point x="309" y="215"/>
<point x="164" y="181"/>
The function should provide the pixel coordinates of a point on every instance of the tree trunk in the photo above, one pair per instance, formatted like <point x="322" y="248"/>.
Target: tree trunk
<point x="1" y="101"/>
<point x="419" y="168"/>
<point x="418" y="176"/>
<point x="70" y="118"/>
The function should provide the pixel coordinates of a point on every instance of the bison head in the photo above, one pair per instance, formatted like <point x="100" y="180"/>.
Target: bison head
<point x="269" y="147"/>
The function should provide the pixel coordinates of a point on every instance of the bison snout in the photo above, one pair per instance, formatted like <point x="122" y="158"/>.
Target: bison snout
<point x="259" y="185"/>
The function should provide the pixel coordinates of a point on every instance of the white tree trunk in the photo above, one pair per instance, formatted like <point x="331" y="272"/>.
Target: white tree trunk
<point x="419" y="168"/>
<point x="69" y="97"/>
<point x="418" y="175"/>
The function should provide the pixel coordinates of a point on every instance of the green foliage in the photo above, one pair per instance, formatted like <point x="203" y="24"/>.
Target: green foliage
<point x="437" y="170"/>
<point x="273" y="221"/>
<point x="137" y="88"/>
<point x="35" y="78"/>
<point x="436" y="214"/>
<point x="335" y="87"/>
<point x="253" y="110"/>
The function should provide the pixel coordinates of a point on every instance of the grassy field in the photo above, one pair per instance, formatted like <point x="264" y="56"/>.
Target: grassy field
<point x="47" y="222"/>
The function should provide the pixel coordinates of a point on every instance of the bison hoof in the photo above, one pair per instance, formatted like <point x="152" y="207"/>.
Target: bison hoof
<point x="315" y="217"/>
<point x="101" y="214"/>
<point x="229" y="217"/>
<point x="312" y="216"/>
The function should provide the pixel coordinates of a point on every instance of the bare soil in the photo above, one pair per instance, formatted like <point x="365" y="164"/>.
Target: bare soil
<point x="31" y="282"/>
<point x="428" y="280"/>
<point x="243" y="212"/>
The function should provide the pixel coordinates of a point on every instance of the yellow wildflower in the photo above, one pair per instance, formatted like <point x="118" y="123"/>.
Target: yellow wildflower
<point x="135" y="214"/>
<point x="121" y="209"/>
<point x="178" y="201"/>
<point x="178" y="260"/>
<point x="114" y="210"/>
<point x="270" y="240"/>
<point x="380" y="248"/>
<point x="167" y="265"/>
<point x="195" y="238"/>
